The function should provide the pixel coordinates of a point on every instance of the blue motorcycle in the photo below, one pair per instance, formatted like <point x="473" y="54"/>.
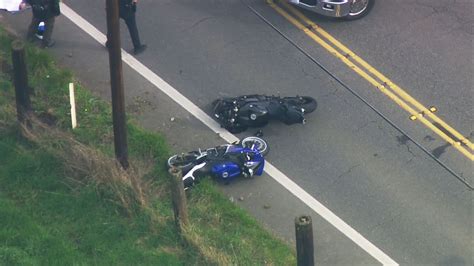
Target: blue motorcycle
<point x="224" y="162"/>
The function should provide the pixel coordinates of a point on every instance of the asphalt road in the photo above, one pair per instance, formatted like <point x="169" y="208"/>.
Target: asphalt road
<point x="346" y="156"/>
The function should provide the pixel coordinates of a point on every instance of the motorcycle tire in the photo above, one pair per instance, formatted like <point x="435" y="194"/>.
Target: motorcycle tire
<point x="262" y="145"/>
<point x="182" y="160"/>
<point x="309" y="104"/>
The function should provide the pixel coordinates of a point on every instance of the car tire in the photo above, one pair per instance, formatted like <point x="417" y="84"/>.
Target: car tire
<point x="361" y="11"/>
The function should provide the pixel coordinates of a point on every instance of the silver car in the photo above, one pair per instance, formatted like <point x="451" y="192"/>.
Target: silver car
<point x="346" y="9"/>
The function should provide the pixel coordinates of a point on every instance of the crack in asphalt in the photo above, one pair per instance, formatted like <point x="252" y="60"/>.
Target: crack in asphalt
<point x="331" y="93"/>
<point x="391" y="219"/>
<point x="200" y="21"/>
<point x="345" y="173"/>
<point x="403" y="141"/>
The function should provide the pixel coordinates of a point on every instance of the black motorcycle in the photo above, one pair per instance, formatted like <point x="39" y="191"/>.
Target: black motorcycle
<point x="237" y="114"/>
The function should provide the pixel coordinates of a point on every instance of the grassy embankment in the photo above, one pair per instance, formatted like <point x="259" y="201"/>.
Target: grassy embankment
<point x="63" y="200"/>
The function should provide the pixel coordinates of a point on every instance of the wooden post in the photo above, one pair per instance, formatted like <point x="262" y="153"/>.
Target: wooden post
<point x="179" y="198"/>
<point x="304" y="241"/>
<point x="116" y="83"/>
<point x="20" y="80"/>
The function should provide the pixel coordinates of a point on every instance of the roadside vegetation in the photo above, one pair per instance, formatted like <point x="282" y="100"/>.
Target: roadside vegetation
<point x="64" y="200"/>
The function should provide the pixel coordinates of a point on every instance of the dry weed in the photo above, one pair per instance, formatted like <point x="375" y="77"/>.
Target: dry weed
<point x="86" y="165"/>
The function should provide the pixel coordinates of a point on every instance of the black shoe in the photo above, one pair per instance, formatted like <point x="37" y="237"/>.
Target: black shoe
<point x="139" y="49"/>
<point x="48" y="44"/>
<point x="107" y="44"/>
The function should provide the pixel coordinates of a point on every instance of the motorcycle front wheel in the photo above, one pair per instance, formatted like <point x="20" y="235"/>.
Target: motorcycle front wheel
<point x="309" y="104"/>
<point x="182" y="160"/>
<point x="257" y="144"/>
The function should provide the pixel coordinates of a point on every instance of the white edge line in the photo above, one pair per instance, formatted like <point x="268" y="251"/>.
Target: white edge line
<point x="271" y="170"/>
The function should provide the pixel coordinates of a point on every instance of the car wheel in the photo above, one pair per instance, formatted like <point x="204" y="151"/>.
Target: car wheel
<point x="359" y="9"/>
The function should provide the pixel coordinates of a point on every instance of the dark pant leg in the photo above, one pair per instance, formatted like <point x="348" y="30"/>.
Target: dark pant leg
<point x="33" y="28"/>
<point x="48" y="30"/>
<point x="132" y="28"/>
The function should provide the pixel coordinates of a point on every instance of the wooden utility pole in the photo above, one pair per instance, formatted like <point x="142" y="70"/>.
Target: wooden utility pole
<point x="116" y="82"/>
<point x="304" y="240"/>
<point x="20" y="80"/>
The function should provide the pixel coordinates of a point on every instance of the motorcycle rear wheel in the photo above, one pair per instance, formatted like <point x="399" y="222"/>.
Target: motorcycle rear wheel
<point x="309" y="104"/>
<point x="260" y="144"/>
<point x="182" y="160"/>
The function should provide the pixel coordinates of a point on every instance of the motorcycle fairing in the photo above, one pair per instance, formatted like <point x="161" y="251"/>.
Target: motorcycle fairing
<point x="193" y="175"/>
<point x="256" y="166"/>
<point x="292" y="115"/>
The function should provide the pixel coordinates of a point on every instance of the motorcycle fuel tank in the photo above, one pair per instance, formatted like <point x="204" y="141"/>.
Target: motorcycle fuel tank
<point x="226" y="171"/>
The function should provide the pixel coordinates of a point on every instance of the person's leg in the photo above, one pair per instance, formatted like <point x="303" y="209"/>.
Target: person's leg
<point x="30" y="36"/>
<point x="132" y="28"/>
<point x="48" y="32"/>
<point x="138" y="47"/>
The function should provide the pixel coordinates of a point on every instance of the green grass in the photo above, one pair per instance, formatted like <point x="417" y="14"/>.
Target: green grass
<point x="44" y="221"/>
<point x="50" y="216"/>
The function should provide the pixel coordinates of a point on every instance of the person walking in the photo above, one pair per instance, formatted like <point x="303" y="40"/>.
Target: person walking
<point x="127" y="10"/>
<point x="43" y="11"/>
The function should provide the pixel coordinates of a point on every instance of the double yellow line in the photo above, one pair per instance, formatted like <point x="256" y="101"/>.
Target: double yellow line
<point x="416" y="110"/>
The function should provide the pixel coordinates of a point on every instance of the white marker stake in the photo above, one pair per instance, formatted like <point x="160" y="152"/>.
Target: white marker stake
<point x="73" y="105"/>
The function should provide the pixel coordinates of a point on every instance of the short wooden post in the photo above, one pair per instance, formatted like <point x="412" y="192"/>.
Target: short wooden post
<point x="304" y="241"/>
<point x="179" y="198"/>
<point x="20" y="80"/>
